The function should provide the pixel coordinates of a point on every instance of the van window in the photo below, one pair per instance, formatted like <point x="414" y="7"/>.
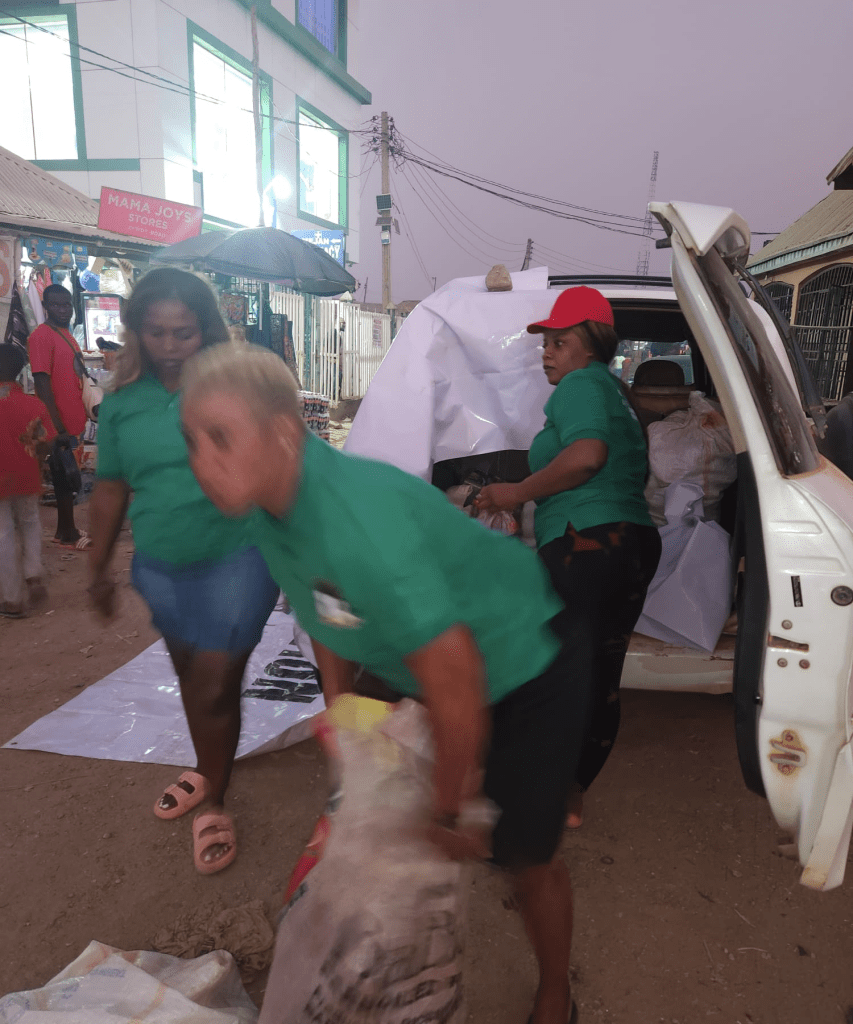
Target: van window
<point x="784" y="422"/>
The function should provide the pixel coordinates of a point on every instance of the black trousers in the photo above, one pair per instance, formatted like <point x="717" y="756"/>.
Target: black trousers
<point x="602" y="574"/>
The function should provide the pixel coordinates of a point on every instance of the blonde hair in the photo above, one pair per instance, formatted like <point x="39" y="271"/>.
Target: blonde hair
<point x="162" y="285"/>
<point x="255" y="374"/>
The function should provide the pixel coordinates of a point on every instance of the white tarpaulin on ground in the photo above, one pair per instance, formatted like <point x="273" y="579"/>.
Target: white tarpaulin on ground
<point x="105" y="985"/>
<point x="463" y="377"/>
<point x="135" y="713"/>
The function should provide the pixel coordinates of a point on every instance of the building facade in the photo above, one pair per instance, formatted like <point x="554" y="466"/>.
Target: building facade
<point x="808" y="271"/>
<point x="156" y="97"/>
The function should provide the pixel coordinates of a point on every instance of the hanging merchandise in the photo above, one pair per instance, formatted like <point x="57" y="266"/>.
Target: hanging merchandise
<point x="16" y="326"/>
<point x="234" y="308"/>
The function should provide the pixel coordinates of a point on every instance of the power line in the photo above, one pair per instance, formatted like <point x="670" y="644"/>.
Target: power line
<point x="178" y="88"/>
<point x="546" y="251"/>
<point x="440" y="224"/>
<point x="411" y="236"/>
<point x="510" y="246"/>
<point x="426" y="184"/>
<point x="475" y="244"/>
<point x="444" y="165"/>
<point x="604" y="225"/>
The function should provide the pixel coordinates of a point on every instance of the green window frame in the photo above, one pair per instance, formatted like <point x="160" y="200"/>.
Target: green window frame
<point x="197" y="36"/>
<point x="304" y="10"/>
<point x="307" y="111"/>
<point x="37" y="14"/>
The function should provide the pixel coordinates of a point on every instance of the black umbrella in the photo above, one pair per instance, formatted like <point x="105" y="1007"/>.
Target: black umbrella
<point x="262" y="254"/>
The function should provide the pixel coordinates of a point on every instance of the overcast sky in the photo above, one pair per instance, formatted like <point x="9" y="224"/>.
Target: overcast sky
<point x="747" y="103"/>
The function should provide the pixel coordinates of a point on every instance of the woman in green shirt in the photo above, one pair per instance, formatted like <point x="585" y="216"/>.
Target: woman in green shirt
<point x="209" y="591"/>
<point x="593" y="528"/>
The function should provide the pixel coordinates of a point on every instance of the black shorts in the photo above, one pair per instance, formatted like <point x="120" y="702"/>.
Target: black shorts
<point x="537" y="736"/>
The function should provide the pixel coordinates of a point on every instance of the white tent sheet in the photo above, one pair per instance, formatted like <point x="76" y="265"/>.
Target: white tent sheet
<point x="463" y="377"/>
<point x="135" y="713"/>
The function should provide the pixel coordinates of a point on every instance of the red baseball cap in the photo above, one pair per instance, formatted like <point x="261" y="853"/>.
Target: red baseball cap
<point x="572" y="307"/>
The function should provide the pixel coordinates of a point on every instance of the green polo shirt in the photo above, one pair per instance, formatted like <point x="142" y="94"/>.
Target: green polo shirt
<point x="377" y="563"/>
<point x="590" y="404"/>
<point x="140" y="442"/>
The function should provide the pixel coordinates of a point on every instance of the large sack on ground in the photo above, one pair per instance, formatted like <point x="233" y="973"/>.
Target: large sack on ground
<point x="375" y="932"/>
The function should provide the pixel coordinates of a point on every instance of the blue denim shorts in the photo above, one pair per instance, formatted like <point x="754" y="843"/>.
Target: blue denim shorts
<point x="211" y="606"/>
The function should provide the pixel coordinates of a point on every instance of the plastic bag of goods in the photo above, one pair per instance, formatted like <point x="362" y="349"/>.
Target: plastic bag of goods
<point x="692" y="445"/>
<point x="690" y="597"/>
<point x="374" y="930"/>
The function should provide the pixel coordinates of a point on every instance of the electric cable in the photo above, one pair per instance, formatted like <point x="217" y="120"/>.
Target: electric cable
<point x="424" y="182"/>
<point x="440" y="224"/>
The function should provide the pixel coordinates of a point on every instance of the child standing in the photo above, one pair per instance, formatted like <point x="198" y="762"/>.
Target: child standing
<point x="25" y="429"/>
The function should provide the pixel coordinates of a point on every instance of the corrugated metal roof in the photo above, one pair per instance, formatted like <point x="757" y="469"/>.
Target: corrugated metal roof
<point x="840" y="167"/>
<point x="825" y="227"/>
<point x="34" y="200"/>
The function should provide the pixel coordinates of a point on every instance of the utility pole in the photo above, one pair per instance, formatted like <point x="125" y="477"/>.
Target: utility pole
<point x="645" y="245"/>
<point x="384" y="207"/>
<point x="256" y="111"/>
<point x="528" y="255"/>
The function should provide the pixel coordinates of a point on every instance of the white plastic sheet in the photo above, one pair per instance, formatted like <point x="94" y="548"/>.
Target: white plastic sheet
<point x="135" y="713"/>
<point x="105" y="985"/>
<point x="690" y="597"/>
<point x="463" y="377"/>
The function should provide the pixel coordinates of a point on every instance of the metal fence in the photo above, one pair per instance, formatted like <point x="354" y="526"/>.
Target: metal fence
<point x="824" y="327"/>
<point x="339" y="346"/>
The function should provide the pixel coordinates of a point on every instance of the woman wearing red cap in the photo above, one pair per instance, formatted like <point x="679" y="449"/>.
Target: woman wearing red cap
<point x="593" y="528"/>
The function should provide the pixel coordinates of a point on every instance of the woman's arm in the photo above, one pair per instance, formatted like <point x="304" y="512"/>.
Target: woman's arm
<point x="574" y="466"/>
<point x="451" y="675"/>
<point x="107" y="509"/>
<point x="336" y="674"/>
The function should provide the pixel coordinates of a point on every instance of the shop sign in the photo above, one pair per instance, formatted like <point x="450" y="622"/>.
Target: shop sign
<point x="157" y="220"/>
<point x="53" y="253"/>
<point x="377" y="332"/>
<point x="331" y="242"/>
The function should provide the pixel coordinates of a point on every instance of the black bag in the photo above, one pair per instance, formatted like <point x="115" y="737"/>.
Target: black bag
<point x="64" y="468"/>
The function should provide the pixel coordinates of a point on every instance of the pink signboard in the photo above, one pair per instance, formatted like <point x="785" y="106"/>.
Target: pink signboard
<point x="146" y="217"/>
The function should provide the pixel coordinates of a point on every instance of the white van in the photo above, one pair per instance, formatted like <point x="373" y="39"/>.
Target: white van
<point x="462" y="386"/>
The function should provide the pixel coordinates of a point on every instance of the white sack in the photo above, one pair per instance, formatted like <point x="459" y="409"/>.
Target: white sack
<point x="105" y="985"/>
<point x="693" y="445"/>
<point x="690" y="597"/>
<point x="374" y="935"/>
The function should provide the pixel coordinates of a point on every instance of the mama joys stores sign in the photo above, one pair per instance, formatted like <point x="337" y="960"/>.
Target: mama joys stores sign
<point x="147" y="217"/>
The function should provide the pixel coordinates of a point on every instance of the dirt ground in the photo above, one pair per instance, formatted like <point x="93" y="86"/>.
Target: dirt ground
<point x="685" y="910"/>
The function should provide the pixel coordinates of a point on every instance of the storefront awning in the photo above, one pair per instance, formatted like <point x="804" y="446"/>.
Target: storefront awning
<point x="35" y="202"/>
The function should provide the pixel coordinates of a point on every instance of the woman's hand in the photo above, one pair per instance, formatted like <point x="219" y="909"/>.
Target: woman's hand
<point x="102" y="593"/>
<point x="498" y="498"/>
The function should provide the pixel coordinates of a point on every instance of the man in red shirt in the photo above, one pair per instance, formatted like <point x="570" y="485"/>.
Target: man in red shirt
<point x="59" y="384"/>
<point x="25" y="429"/>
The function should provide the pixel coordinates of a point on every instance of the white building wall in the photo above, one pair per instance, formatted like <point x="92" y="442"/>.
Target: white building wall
<point x="127" y="120"/>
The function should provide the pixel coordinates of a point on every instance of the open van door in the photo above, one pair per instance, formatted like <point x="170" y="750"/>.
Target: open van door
<point x="794" y="548"/>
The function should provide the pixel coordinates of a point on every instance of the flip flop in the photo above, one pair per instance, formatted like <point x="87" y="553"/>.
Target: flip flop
<point x="82" y="544"/>
<point x="184" y="801"/>
<point x="220" y="831"/>
<point x="12" y="614"/>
